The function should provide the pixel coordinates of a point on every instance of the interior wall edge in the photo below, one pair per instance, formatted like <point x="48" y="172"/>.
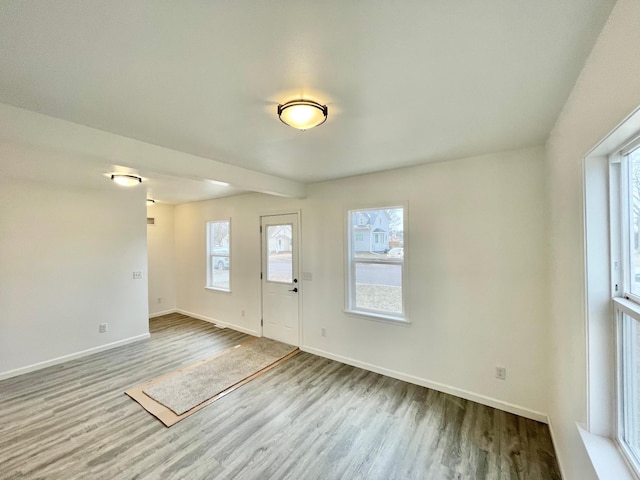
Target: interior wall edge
<point x="555" y="447"/>
<point x="73" y="356"/>
<point x="440" y="387"/>
<point x="220" y="323"/>
<point x="164" y="312"/>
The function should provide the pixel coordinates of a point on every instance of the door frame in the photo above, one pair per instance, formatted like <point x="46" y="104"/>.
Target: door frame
<point x="275" y="213"/>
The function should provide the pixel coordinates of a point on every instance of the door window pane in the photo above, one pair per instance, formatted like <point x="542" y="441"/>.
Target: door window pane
<point x="280" y="256"/>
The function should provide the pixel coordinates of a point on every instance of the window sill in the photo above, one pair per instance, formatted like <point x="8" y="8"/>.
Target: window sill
<point x="605" y="457"/>
<point x="378" y="317"/>
<point x="214" y="289"/>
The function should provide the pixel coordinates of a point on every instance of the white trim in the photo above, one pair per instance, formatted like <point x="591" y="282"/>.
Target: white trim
<point x="164" y="312"/>
<point x="622" y="134"/>
<point x="238" y="328"/>
<point x="458" y="392"/>
<point x="629" y="148"/>
<point x="605" y="457"/>
<point x="602" y="380"/>
<point x="217" y="289"/>
<point x="555" y="449"/>
<point x="629" y="307"/>
<point x="379" y="317"/>
<point x="72" y="356"/>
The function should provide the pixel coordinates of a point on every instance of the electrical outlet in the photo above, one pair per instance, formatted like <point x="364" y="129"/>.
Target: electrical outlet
<point x="159" y="299"/>
<point x="242" y="312"/>
<point x="104" y="327"/>
<point x="501" y="373"/>
<point x="137" y="275"/>
<point x="323" y="332"/>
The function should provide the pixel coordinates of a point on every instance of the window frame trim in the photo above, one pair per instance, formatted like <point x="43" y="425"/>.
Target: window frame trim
<point x="624" y="301"/>
<point x="599" y="332"/>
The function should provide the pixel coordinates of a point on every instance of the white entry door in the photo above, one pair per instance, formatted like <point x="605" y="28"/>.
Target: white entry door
<point x="280" y="286"/>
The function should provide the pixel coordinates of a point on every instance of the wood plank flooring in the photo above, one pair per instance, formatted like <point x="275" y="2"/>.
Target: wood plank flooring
<point x="310" y="418"/>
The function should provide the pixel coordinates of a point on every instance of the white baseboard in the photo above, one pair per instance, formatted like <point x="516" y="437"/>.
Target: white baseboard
<point x="555" y="448"/>
<point x="72" y="356"/>
<point x="474" y="397"/>
<point x="219" y="323"/>
<point x="164" y="312"/>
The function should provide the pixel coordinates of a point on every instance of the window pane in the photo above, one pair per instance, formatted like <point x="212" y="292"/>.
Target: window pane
<point x="280" y="259"/>
<point x="219" y="241"/>
<point x="379" y="287"/>
<point x="376" y="256"/>
<point x="375" y="232"/>
<point x="634" y="213"/>
<point x="220" y="272"/>
<point x="630" y="384"/>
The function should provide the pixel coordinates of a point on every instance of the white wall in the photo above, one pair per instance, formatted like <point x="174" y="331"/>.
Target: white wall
<point x="67" y="257"/>
<point x="607" y="90"/>
<point x="161" y="259"/>
<point x="477" y="265"/>
<point x="190" y="235"/>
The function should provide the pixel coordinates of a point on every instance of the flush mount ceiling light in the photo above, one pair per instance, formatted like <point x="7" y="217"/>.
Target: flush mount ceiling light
<point x="126" y="180"/>
<point x="150" y="201"/>
<point x="303" y="114"/>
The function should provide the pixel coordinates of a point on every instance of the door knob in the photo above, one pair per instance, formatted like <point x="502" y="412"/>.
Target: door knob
<point x="293" y="290"/>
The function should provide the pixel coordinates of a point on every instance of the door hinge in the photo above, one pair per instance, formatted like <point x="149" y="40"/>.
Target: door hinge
<point x="260" y="275"/>
<point x="260" y="228"/>
<point x="261" y="322"/>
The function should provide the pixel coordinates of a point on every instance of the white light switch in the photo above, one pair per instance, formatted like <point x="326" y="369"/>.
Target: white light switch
<point x="137" y="275"/>
<point x="307" y="276"/>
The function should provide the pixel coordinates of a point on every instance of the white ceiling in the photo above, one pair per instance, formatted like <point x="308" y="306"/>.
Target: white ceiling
<point x="406" y="82"/>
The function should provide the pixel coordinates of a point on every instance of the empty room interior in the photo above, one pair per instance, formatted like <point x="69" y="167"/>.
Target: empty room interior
<point x="433" y="205"/>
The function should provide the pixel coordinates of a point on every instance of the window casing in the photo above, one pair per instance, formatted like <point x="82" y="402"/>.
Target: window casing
<point x="625" y="274"/>
<point x="376" y="274"/>
<point x="219" y="255"/>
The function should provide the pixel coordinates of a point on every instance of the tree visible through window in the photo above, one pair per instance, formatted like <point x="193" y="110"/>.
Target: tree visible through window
<point x="376" y="247"/>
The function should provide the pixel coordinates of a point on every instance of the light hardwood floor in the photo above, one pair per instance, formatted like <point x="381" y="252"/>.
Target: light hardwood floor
<point x="310" y="418"/>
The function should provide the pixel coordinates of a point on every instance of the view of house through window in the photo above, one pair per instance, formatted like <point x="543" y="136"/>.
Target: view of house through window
<point x="219" y="255"/>
<point x="280" y="260"/>
<point x="376" y="261"/>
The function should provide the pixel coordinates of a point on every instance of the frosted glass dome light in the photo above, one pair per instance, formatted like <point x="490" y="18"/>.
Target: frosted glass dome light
<point x="303" y="114"/>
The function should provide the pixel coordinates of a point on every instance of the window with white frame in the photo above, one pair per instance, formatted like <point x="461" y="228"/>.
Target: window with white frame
<point x="376" y="256"/>
<point x="219" y="255"/>
<point x="625" y="252"/>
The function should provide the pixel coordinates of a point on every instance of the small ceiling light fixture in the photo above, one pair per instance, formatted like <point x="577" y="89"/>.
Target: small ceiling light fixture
<point x="150" y="201"/>
<point x="126" y="180"/>
<point x="303" y="114"/>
